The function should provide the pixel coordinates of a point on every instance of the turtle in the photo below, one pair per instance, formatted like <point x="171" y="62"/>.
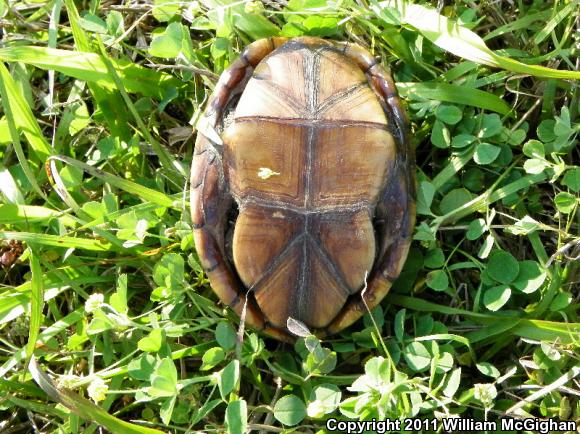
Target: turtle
<point x="302" y="185"/>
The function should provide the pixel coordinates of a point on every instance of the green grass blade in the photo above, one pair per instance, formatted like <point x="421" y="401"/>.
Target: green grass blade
<point x="494" y="329"/>
<point x="526" y="328"/>
<point x="19" y="118"/>
<point x="450" y="36"/>
<point x="58" y="327"/>
<point x="142" y="207"/>
<point x="60" y="241"/>
<point x="83" y="407"/>
<point x="36" y="303"/>
<point x="110" y="102"/>
<point x="521" y="23"/>
<point x="22" y="115"/>
<point x="455" y="94"/>
<point x="555" y="20"/>
<point x="164" y="156"/>
<point x="456" y="163"/>
<point x="28" y="214"/>
<point x="90" y="67"/>
<point x="550" y="331"/>
<point x="145" y="193"/>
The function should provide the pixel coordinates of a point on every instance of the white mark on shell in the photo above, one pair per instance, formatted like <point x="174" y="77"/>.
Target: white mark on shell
<point x="278" y="215"/>
<point x="266" y="173"/>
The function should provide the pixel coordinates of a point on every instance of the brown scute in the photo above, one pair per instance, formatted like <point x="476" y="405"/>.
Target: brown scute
<point x="360" y="105"/>
<point x="260" y="236"/>
<point x="275" y="295"/>
<point x="349" y="240"/>
<point x="286" y="74"/>
<point x="253" y="146"/>
<point x="337" y="74"/>
<point x="263" y="99"/>
<point x="323" y="297"/>
<point x="301" y="285"/>
<point x="351" y="165"/>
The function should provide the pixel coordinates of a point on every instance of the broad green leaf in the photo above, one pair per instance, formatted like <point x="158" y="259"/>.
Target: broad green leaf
<point x="152" y="342"/>
<point x="142" y="367"/>
<point x="417" y="356"/>
<point x="164" y="379"/>
<point x="118" y="299"/>
<point x="565" y="202"/>
<point x="530" y="277"/>
<point x="166" y="409"/>
<point x="229" y="379"/>
<point x="324" y="399"/>
<point x="503" y="267"/>
<point x="93" y="23"/>
<point x="488" y="369"/>
<point x="494" y="298"/>
<point x="486" y="153"/>
<point x="534" y="149"/>
<point x="212" y="357"/>
<point x="561" y="301"/>
<point x="225" y="335"/>
<point x="535" y="166"/>
<point x="425" y="198"/>
<point x="440" y="136"/>
<point x="572" y="179"/>
<point x="475" y="229"/>
<point x="169" y="43"/>
<point x="462" y="140"/>
<point x="165" y="10"/>
<point x="455" y="199"/>
<point x="444" y="363"/>
<point x="490" y="126"/>
<point x="449" y="114"/>
<point x="9" y="188"/>
<point x="452" y="383"/>
<point x="434" y="258"/>
<point x="237" y="417"/>
<point x="289" y="410"/>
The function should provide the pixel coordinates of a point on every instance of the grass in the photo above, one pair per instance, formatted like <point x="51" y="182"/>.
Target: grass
<point x="106" y="318"/>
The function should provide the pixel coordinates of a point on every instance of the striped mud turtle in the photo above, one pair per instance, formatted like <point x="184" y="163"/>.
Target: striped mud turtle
<point x="302" y="185"/>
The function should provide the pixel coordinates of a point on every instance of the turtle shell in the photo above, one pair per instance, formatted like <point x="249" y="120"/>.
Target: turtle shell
<point x="314" y="157"/>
